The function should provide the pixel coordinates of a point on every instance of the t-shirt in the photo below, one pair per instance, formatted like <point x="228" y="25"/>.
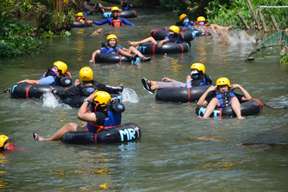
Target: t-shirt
<point x="49" y="80"/>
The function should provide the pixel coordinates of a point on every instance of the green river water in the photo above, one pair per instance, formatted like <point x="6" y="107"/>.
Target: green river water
<point x="172" y="154"/>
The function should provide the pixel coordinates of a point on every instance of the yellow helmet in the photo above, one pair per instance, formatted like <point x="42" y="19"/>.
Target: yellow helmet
<point x="61" y="66"/>
<point x="174" y="29"/>
<point x="201" y="19"/>
<point x="115" y="8"/>
<point x="199" y="67"/>
<point x="223" y="81"/>
<point x="102" y="97"/>
<point x="86" y="74"/>
<point x="3" y="140"/>
<point x="182" y="16"/>
<point x="111" y="36"/>
<point x="79" y="14"/>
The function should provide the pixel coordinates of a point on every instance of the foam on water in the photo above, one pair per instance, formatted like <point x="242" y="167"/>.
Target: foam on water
<point x="129" y="95"/>
<point x="50" y="101"/>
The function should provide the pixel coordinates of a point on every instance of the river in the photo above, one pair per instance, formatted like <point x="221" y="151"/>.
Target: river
<point x="177" y="152"/>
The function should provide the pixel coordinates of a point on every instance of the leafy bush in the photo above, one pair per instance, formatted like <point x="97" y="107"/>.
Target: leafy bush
<point x="17" y="39"/>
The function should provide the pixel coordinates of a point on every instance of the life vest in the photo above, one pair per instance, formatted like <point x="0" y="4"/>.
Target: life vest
<point x="107" y="50"/>
<point x="175" y="38"/>
<point x="203" y="80"/>
<point x="87" y="90"/>
<point x="112" y="119"/>
<point x="224" y="99"/>
<point x="116" y="22"/>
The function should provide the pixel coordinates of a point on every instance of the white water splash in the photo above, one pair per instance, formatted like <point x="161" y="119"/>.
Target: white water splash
<point x="50" y="101"/>
<point x="234" y="38"/>
<point x="129" y="95"/>
<point x="241" y="37"/>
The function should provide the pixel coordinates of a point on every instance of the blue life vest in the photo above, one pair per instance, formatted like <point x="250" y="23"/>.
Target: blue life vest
<point x="203" y="80"/>
<point x="125" y="8"/>
<point x="112" y="119"/>
<point x="174" y="38"/>
<point x="106" y="50"/>
<point x="224" y="99"/>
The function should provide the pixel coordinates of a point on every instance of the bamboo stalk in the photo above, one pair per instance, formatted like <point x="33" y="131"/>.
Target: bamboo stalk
<point x="243" y="21"/>
<point x="274" y="22"/>
<point x="263" y="21"/>
<point x="253" y="14"/>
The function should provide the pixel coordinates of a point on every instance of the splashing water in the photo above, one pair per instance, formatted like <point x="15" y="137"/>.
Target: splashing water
<point x="129" y="95"/>
<point x="50" y="101"/>
<point x="234" y="37"/>
<point x="241" y="37"/>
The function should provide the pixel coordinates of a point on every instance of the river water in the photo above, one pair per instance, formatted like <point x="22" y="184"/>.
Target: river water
<point x="177" y="152"/>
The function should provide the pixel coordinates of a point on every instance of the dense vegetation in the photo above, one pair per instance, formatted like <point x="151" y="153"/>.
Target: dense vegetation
<point x="23" y="23"/>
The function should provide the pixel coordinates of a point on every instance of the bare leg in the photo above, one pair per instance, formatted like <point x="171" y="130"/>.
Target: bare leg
<point x="59" y="134"/>
<point x="147" y="40"/>
<point x="133" y="50"/>
<point x="235" y="104"/>
<point x="210" y="107"/>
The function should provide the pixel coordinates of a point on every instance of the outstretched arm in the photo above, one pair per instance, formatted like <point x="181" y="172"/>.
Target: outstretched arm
<point x="127" y="22"/>
<point x="101" y="22"/>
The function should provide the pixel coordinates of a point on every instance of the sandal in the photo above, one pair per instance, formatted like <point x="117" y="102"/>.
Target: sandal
<point x="146" y="85"/>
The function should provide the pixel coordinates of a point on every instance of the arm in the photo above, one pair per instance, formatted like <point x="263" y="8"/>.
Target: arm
<point x="188" y="81"/>
<point x="71" y="91"/>
<point x="84" y="114"/>
<point x="29" y="81"/>
<point x="127" y="22"/>
<point x="68" y="74"/>
<point x="92" y="60"/>
<point x="246" y="94"/>
<point x="107" y="88"/>
<point x="163" y="42"/>
<point x="46" y="80"/>
<point x="202" y="100"/>
<point x="101" y="22"/>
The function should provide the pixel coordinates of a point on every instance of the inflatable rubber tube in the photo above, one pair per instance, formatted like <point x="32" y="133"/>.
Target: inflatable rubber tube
<point x="188" y="35"/>
<point x="25" y="90"/>
<point x="166" y="48"/>
<point x="179" y="94"/>
<point x="111" y="58"/>
<point x="76" y="24"/>
<point x="122" y="134"/>
<point x="251" y="107"/>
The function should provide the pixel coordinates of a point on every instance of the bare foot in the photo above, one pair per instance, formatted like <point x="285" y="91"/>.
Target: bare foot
<point x="37" y="137"/>
<point x="241" y="118"/>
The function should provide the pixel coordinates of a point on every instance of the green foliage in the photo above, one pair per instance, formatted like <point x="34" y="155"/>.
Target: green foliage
<point x="22" y="22"/>
<point x="17" y="39"/>
<point x="226" y="14"/>
<point x="284" y="59"/>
